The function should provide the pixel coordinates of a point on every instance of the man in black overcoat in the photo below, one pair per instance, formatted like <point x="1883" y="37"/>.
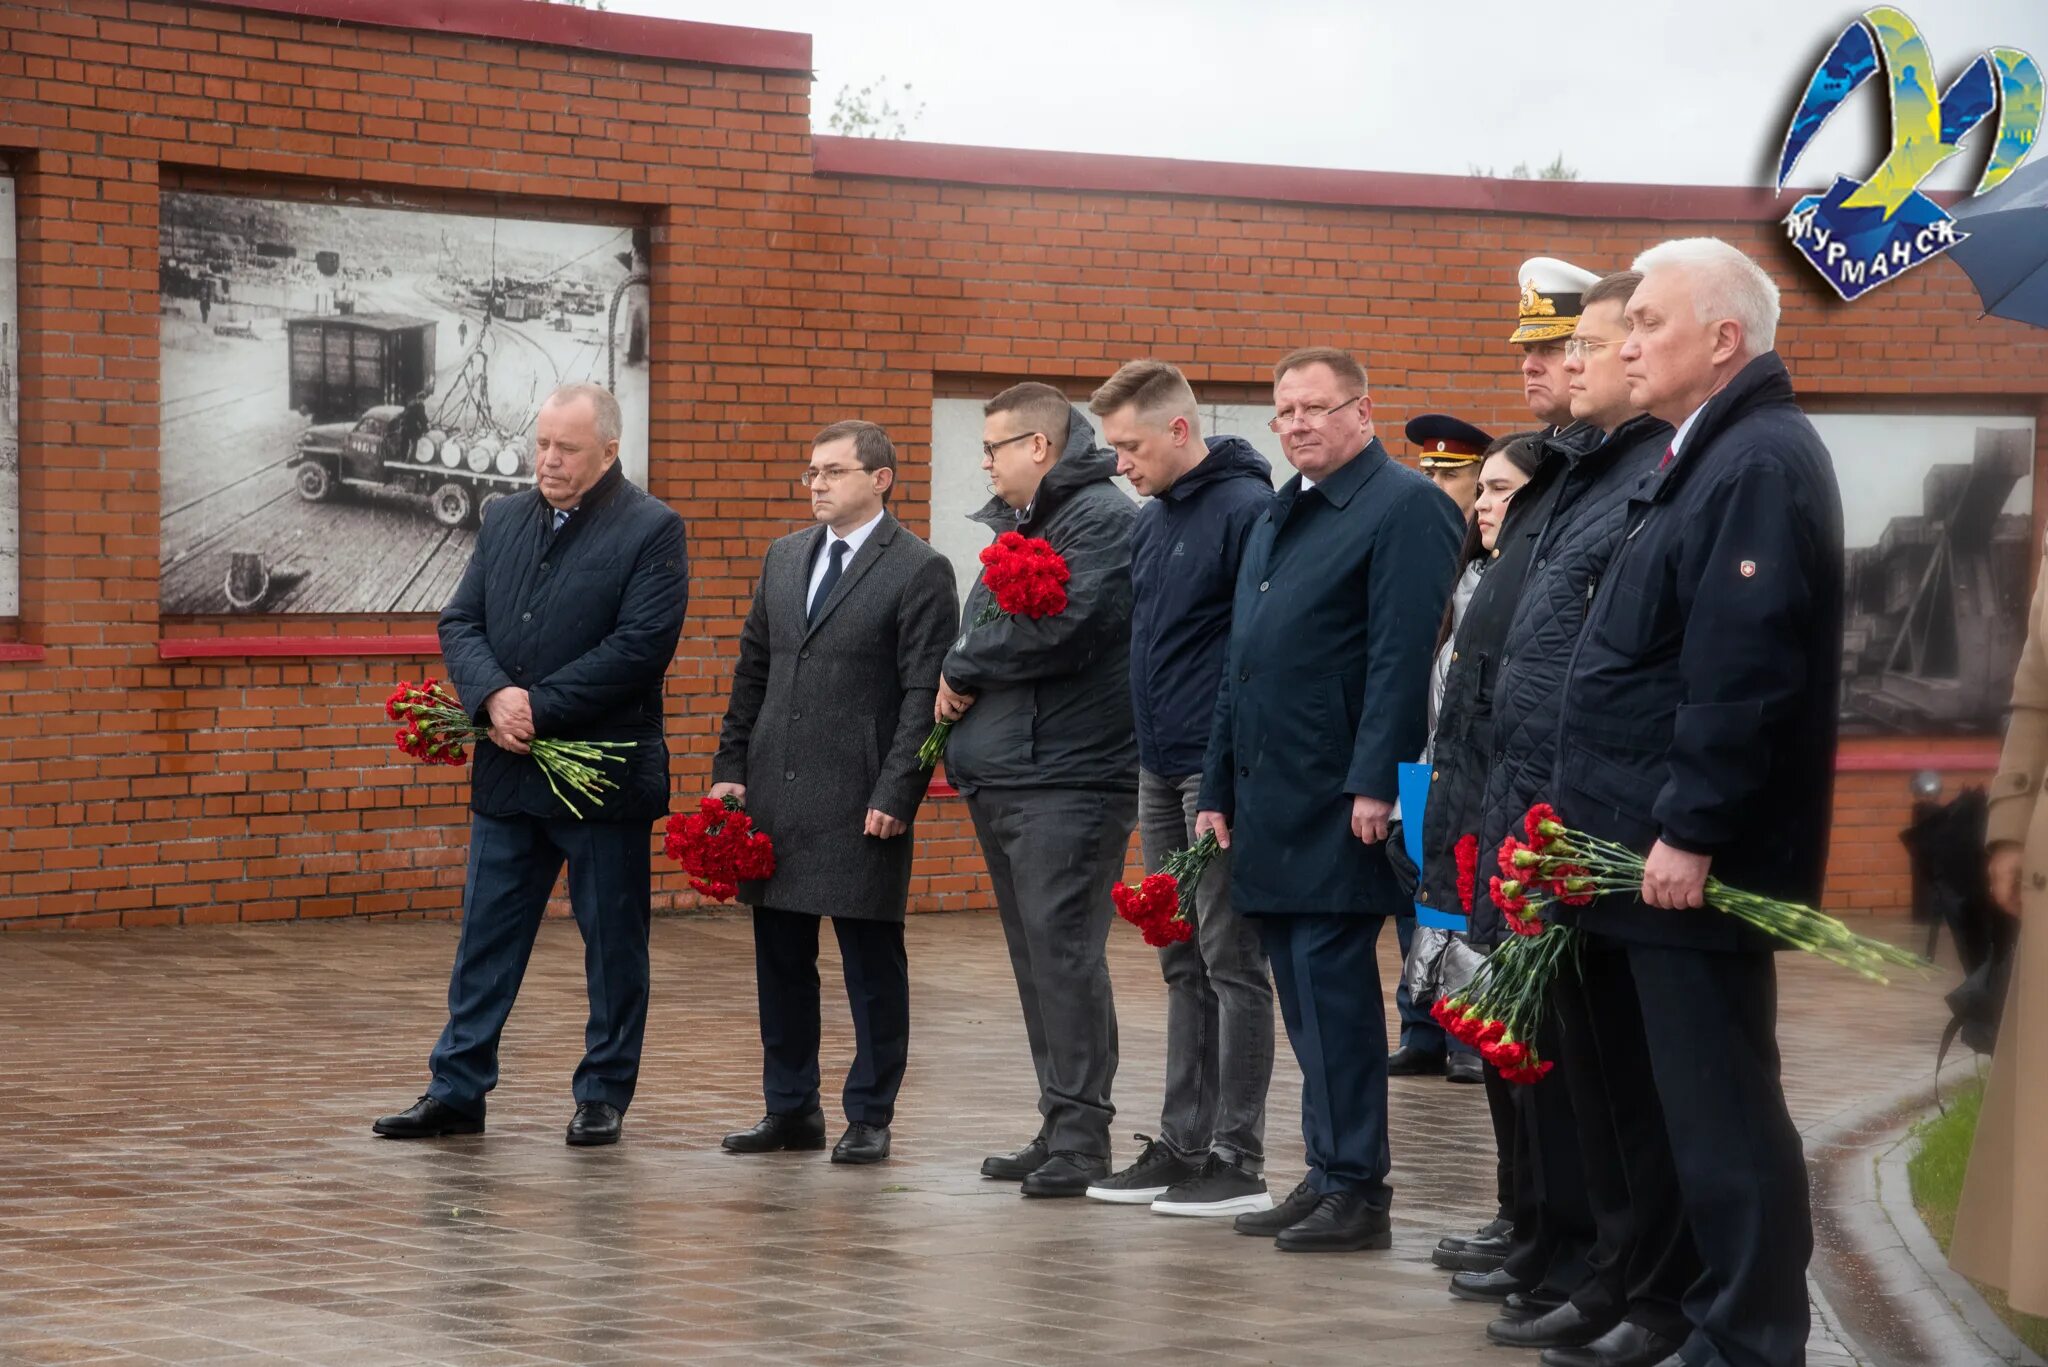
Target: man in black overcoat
<point x="831" y="697"/>
<point x="1341" y="588"/>
<point x="1698" y="728"/>
<point x="562" y="627"/>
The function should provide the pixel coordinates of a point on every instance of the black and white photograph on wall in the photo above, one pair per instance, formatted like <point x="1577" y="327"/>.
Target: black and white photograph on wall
<point x="1938" y="520"/>
<point x="347" y="388"/>
<point x="10" y="412"/>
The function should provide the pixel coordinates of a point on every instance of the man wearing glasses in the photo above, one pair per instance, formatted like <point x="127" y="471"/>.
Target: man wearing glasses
<point x="1626" y="1312"/>
<point x="831" y="698"/>
<point x="1044" y="750"/>
<point x="1344" y="579"/>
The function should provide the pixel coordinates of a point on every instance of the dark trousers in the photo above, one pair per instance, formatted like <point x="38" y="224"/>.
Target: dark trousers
<point x="1419" y="1030"/>
<point x="1553" y="1222"/>
<point x="1710" y="1020"/>
<point x="1642" y="1260"/>
<point x="513" y="863"/>
<point x="1052" y="855"/>
<point x="877" y="974"/>
<point x="1328" y="981"/>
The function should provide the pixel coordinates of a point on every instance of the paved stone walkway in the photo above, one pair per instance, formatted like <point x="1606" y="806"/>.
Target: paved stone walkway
<point x="187" y="1173"/>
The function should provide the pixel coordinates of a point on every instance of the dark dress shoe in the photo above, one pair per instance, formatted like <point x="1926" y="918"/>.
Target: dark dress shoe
<point x="862" y="1144"/>
<point x="1342" y="1222"/>
<point x="1015" y="1167"/>
<point x="1625" y="1345"/>
<point x="779" y="1130"/>
<point x="1478" y="1254"/>
<point x="1454" y="1243"/>
<point x="1527" y="1305"/>
<point x="595" y="1123"/>
<point x="1464" y="1068"/>
<point x="428" y="1119"/>
<point x="1486" y="1286"/>
<point x="1410" y="1062"/>
<point x="1292" y="1211"/>
<point x="1564" y="1327"/>
<point x="1066" y="1174"/>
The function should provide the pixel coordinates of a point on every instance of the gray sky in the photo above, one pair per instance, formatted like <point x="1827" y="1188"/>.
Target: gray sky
<point x="1644" y="91"/>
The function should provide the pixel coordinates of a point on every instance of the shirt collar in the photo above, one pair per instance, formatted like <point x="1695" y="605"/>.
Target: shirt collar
<point x="856" y="538"/>
<point x="1678" y="437"/>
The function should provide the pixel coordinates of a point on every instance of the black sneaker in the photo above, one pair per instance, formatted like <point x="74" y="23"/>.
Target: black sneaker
<point x="1220" y="1188"/>
<point x="1144" y="1181"/>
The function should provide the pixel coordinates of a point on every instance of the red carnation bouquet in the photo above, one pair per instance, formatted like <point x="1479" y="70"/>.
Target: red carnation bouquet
<point x="1027" y="578"/>
<point x="437" y="729"/>
<point x="1499" y="1011"/>
<point x="1162" y="905"/>
<point x="719" y="848"/>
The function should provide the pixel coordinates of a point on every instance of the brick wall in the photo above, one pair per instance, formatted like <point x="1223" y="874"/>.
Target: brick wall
<point x="795" y="282"/>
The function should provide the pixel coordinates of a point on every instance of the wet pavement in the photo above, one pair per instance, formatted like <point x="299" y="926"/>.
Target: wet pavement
<point x="188" y="1173"/>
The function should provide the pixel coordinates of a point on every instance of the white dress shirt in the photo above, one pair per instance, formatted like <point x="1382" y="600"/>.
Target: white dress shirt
<point x="854" y="540"/>
<point x="1678" y="437"/>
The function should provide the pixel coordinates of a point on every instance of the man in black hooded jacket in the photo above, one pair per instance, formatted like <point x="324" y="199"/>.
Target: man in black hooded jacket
<point x="1044" y="753"/>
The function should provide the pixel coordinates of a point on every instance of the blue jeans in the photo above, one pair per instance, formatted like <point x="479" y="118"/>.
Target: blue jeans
<point x="1219" y="999"/>
<point x="513" y="863"/>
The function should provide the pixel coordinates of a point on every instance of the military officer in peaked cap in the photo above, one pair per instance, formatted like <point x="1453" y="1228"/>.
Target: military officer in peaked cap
<point x="1536" y="1263"/>
<point x="1552" y="292"/>
<point x="1449" y="451"/>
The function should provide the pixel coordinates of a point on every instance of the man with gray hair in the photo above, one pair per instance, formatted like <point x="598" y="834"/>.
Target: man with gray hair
<point x="563" y="625"/>
<point x="1698" y="727"/>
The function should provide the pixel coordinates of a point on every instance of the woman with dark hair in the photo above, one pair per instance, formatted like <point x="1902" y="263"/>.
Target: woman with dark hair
<point x="1459" y="751"/>
<point x="1461" y="736"/>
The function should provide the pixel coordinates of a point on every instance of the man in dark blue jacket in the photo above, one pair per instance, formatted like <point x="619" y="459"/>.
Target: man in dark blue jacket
<point x="562" y="627"/>
<point x="1698" y="728"/>
<point x="1323" y="695"/>
<point x="1211" y="1149"/>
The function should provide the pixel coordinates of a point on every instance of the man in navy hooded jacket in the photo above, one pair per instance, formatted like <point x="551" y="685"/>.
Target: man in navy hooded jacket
<point x="1185" y="549"/>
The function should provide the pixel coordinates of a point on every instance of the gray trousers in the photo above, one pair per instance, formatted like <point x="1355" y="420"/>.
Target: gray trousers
<point x="1053" y="854"/>
<point x="1219" y="999"/>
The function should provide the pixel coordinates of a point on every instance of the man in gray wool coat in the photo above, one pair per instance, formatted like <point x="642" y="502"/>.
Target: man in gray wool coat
<point x="831" y="698"/>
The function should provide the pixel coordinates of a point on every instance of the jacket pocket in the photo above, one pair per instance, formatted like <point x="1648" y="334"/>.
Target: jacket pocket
<point x="1610" y="799"/>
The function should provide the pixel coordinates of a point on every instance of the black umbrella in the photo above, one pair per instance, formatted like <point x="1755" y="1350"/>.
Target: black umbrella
<point x="2006" y="252"/>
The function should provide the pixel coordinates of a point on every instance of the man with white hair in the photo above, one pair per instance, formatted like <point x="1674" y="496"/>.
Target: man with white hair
<point x="562" y="627"/>
<point x="1699" y="728"/>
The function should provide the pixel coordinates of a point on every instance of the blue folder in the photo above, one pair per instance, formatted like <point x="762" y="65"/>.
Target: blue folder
<point x="1414" y="788"/>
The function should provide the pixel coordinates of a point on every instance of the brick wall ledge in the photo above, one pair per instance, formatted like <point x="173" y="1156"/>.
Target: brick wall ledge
<point x="20" y="650"/>
<point x="1963" y="757"/>
<point x="533" y="21"/>
<point x="898" y="159"/>
<point x="291" y="647"/>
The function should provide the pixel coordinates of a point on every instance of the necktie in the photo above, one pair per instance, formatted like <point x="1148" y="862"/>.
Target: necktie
<point x="835" y="563"/>
<point x="1669" y="452"/>
<point x="561" y="516"/>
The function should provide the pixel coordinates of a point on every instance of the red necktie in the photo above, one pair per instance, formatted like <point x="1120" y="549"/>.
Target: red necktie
<point x="1669" y="452"/>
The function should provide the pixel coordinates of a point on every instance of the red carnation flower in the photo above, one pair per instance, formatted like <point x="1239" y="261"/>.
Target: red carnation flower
<point x="1541" y="825"/>
<point x="1466" y="856"/>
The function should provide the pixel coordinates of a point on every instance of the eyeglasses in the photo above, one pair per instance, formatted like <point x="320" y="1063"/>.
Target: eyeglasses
<point x="1585" y="346"/>
<point x="826" y="474"/>
<point x="989" y="448"/>
<point x="1311" y="416"/>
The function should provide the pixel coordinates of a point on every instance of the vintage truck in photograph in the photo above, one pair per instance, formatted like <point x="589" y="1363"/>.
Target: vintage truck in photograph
<point x="380" y="368"/>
